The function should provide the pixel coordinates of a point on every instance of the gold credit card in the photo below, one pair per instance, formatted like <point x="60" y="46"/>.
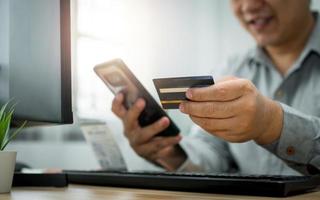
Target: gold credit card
<point x="172" y="91"/>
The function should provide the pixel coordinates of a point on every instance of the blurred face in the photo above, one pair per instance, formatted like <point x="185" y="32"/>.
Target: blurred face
<point x="272" y="22"/>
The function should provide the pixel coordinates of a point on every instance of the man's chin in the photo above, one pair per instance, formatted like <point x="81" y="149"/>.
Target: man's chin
<point x="266" y="41"/>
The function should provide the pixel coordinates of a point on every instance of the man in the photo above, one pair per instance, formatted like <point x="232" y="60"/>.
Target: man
<point x="264" y="119"/>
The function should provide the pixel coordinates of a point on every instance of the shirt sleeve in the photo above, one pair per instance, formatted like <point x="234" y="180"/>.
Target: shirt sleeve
<point x="205" y="153"/>
<point x="299" y="143"/>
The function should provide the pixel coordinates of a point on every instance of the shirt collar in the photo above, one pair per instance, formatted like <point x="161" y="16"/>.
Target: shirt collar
<point x="258" y="54"/>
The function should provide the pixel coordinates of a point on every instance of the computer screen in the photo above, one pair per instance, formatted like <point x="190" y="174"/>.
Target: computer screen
<point x="35" y="59"/>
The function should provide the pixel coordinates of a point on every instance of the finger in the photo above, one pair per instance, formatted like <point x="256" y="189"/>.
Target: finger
<point x="222" y="91"/>
<point x="164" y="142"/>
<point x="133" y="113"/>
<point x="117" y="106"/>
<point x="148" y="132"/>
<point x="151" y="148"/>
<point x="143" y="135"/>
<point x="218" y="110"/>
<point x="163" y="154"/>
<point x="165" y="165"/>
<point x="215" y="125"/>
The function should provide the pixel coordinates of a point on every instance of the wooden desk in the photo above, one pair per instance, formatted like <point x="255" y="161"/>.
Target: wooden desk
<point x="80" y="192"/>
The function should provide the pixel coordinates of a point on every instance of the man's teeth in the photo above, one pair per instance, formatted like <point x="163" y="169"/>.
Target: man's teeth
<point x="259" y="22"/>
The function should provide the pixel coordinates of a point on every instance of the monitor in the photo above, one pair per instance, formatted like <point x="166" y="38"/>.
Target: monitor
<point x="35" y="59"/>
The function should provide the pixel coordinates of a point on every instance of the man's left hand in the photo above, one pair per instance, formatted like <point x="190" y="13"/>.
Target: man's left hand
<point x="234" y="110"/>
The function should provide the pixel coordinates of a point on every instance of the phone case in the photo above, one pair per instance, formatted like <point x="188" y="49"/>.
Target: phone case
<point x="117" y="76"/>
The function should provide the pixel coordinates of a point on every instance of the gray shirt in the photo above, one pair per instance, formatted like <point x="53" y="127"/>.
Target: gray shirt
<point x="298" y="149"/>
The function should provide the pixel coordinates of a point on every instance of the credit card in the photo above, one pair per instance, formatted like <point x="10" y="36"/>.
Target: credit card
<point x="172" y="91"/>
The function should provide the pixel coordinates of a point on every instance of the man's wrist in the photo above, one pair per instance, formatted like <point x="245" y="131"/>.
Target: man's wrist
<point x="274" y="127"/>
<point x="174" y="160"/>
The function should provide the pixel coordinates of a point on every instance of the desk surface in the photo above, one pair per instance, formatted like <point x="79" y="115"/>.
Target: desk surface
<point x="91" y="193"/>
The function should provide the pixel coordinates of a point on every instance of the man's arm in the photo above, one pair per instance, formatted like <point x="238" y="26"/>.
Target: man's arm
<point x="299" y="142"/>
<point x="236" y="111"/>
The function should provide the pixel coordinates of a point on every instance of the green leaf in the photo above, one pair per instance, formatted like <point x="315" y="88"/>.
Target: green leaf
<point x="8" y="121"/>
<point x="6" y="115"/>
<point x="2" y="132"/>
<point x="13" y="135"/>
<point x="2" y="114"/>
<point x="5" y="127"/>
<point x="3" y="122"/>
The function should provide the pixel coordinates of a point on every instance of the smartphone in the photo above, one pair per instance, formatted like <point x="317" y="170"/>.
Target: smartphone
<point x="118" y="78"/>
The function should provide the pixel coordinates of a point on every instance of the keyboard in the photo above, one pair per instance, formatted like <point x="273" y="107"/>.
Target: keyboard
<point x="39" y="180"/>
<point x="259" y="185"/>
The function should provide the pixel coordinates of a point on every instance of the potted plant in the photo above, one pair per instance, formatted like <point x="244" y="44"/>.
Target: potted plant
<point x="7" y="158"/>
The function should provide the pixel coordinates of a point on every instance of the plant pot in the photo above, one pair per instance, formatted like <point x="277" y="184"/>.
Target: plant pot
<point x="7" y="165"/>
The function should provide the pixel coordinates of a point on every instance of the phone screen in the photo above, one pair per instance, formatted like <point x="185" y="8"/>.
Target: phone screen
<point x="118" y="82"/>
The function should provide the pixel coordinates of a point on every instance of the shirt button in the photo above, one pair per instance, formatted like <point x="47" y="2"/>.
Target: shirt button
<point x="290" y="150"/>
<point x="279" y="94"/>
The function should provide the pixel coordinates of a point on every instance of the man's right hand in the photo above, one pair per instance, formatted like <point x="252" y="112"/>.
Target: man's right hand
<point x="164" y="151"/>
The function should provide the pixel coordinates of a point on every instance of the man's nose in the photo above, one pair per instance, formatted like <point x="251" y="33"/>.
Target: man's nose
<point x="251" y="6"/>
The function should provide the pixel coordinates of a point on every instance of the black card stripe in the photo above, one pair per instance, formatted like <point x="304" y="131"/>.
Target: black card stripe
<point x="173" y="96"/>
<point x="183" y="81"/>
<point x="170" y="106"/>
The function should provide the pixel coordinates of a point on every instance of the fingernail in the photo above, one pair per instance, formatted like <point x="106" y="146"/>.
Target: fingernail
<point x="140" y="103"/>
<point x="118" y="97"/>
<point x="189" y="94"/>
<point x="164" y="121"/>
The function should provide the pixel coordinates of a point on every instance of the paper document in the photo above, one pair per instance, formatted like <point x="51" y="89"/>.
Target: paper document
<point x="101" y="139"/>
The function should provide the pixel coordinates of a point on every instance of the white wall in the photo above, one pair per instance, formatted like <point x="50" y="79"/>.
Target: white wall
<point x="4" y="50"/>
<point x="316" y="5"/>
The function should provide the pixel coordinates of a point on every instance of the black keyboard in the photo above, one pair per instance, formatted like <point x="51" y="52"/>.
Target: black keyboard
<point x="261" y="185"/>
<point x="39" y="180"/>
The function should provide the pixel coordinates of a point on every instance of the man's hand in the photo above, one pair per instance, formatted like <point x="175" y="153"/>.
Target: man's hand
<point x="234" y="110"/>
<point x="144" y="140"/>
